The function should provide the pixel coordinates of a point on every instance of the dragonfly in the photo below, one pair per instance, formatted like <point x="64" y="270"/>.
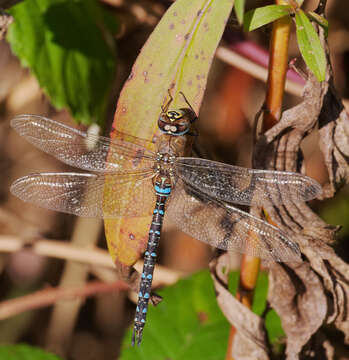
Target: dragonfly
<point x="125" y="178"/>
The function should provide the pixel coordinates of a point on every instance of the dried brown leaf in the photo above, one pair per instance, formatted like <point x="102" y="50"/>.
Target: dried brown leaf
<point x="315" y="293"/>
<point x="310" y="295"/>
<point x="249" y="342"/>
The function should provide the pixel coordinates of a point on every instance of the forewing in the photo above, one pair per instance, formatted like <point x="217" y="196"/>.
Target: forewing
<point x="234" y="184"/>
<point x="82" y="150"/>
<point x="89" y="195"/>
<point x="226" y="227"/>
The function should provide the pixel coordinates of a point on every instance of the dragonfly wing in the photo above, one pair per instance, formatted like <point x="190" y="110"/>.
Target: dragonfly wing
<point x="89" y="195"/>
<point x="234" y="184"/>
<point x="226" y="227"/>
<point x="79" y="149"/>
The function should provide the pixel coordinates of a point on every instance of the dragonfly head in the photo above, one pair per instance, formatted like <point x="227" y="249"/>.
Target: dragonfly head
<point x="176" y="122"/>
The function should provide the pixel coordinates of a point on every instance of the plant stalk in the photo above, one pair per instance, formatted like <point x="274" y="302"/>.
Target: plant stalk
<point x="278" y="65"/>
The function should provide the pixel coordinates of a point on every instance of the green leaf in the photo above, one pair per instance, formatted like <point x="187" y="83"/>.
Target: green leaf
<point x="260" y="294"/>
<point x="25" y="352"/>
<point x="64" y="43"/>
<point x="233" y="281"/>
<point x="187" y="324"/>
<point x="274" y="327"/>
<point x="336" y="211"/>
<point x="320" y="20"/>
<point x="239" y="7"/>
<point x="310" y="46"/>
<point x="256" y="18"/>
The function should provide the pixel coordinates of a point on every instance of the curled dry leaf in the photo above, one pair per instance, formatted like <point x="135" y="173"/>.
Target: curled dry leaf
<point x="298" y="297"/>
<point x="315" y="293"/>
<point x="249" y="342"/>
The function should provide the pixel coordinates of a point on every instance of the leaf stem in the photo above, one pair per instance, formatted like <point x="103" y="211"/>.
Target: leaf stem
<point x="278" y="64"/>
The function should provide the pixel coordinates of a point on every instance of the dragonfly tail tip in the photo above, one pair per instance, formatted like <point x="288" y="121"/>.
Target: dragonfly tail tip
<point x="136" y="337"/>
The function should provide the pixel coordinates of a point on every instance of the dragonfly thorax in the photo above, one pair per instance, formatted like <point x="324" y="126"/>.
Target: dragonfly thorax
<point x="164" y="164"/>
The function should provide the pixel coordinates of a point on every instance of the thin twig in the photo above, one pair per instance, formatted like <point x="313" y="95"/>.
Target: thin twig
<point x="64" y="314"/>
<point x="50" y="296"/>
<point x="95" y="257"/>
<point x="259" y="72"/>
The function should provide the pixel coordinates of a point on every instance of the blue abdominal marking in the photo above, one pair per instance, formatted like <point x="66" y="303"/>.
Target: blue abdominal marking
<point x="162" y="188"/>
<point x="161" y="212"/>
<point x="162" y="191"/>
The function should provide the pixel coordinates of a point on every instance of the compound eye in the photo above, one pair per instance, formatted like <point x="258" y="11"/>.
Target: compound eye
<point x="173" y="129"/>
<point x="167" y="127"/>
<point x="173" y="115"/>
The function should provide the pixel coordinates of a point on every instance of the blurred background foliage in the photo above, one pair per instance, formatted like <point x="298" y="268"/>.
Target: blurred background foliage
<point x="80" y="53"/>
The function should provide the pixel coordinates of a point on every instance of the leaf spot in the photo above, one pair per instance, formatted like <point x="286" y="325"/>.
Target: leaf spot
<point x="202" y="317"/>
<point x="171" y="27"/>
<point x="145" y="74"/>
<point x="186" y="37"/>
<point x="131" y="236"/>
<point x="179" y="37"/>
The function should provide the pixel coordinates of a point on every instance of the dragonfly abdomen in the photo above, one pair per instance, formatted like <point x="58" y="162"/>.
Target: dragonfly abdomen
<point x="162" y="189"/>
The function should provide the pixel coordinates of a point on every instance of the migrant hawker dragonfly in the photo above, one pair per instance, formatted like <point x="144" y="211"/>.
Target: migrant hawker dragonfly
<point x="130" y="180"/>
